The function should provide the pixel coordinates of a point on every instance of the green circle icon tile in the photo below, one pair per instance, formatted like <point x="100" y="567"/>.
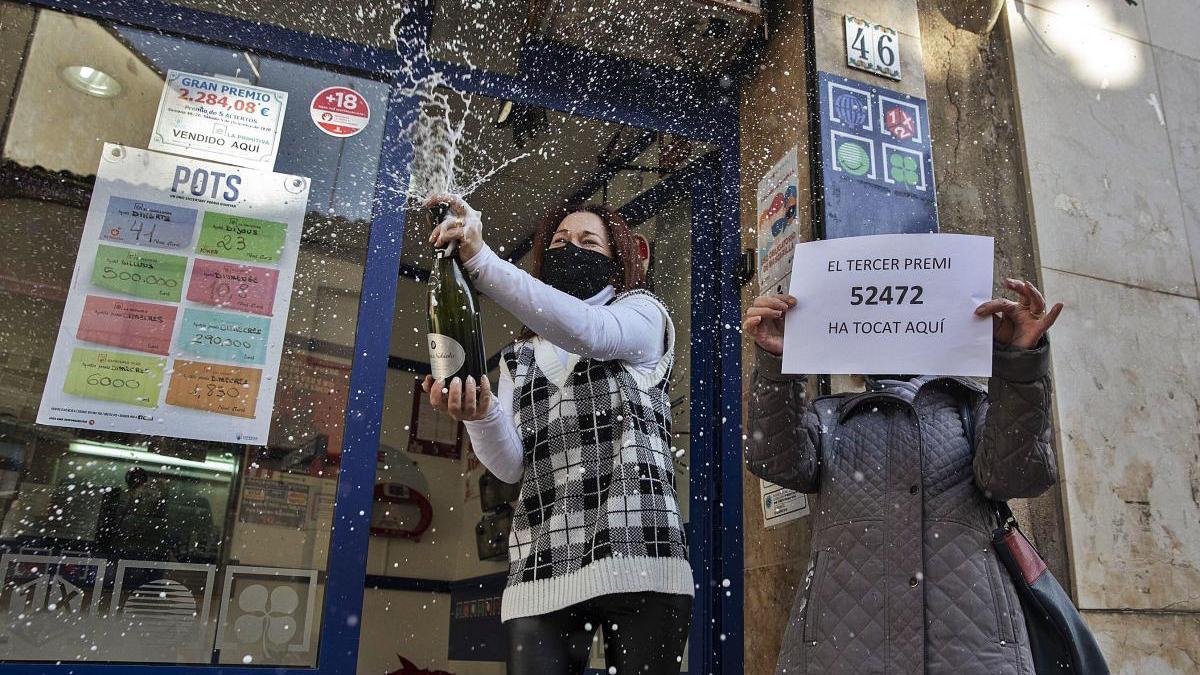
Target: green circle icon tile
<point x="853" y="158"/>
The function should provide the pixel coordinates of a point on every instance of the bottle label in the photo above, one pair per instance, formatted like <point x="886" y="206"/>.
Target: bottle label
<point x="446" y="356"/>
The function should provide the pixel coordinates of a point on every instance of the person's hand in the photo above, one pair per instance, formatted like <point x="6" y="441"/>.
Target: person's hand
<point x="462" y="224"/>
<point x="465" y="403"/>
<point x="1020" y="324"/>
<point x="764" y="321"/>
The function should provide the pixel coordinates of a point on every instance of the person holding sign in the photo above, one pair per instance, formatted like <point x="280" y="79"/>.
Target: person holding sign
<point x="581" y="420"/>
<point x="903" y="478"/>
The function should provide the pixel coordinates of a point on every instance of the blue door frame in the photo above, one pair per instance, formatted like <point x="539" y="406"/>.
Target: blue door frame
<point x="559" y="78"/>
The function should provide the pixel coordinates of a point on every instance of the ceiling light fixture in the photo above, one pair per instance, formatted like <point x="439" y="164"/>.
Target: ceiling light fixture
<point x="91" y="81"/>
<point x="128" y="453"/>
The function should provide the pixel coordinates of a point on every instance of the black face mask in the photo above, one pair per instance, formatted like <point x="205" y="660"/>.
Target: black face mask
<point x="577" y="271"/>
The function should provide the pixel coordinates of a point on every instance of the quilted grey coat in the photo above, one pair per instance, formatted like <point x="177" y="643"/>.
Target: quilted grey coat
<point x="903" y="578"/>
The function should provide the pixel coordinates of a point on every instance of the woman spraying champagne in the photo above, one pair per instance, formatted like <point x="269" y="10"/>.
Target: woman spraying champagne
<point x="581" y="420"/>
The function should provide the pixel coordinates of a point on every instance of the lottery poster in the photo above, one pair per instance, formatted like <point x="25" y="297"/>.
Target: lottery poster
<point x="778" y="217"/>
<point x="174" y="320"/>
<point x="891" y="303"/>
<point x="877" y="175"/>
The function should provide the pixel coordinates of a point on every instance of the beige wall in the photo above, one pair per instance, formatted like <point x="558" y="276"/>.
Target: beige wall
<point x="773" y="120"/>
<point x="1109" y="95"/>
<point x="979" y="172"/>
<point x="16" y="25"/>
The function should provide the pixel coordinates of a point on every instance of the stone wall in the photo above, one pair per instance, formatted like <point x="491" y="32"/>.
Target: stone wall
<point x="773" y="119"/>
<point x="980" y="178"/>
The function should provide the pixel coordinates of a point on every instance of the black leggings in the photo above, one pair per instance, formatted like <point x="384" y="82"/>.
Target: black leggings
<point x="643" y="633"/>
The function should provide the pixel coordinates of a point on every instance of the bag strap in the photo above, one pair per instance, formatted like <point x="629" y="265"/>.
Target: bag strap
<point x="966" y="413"/>
<point x="967" y="416"/>
<point x="826" y="409"/>
<point x="1004" y="516"/>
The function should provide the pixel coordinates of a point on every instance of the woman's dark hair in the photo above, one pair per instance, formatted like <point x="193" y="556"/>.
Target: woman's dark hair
<point x="620" y="238"/>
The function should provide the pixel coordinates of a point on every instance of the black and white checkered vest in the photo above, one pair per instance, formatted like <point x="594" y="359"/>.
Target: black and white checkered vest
<point x="598" y="511"/>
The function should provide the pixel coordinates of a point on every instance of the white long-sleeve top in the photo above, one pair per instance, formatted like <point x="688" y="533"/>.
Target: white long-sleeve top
<point x="630" y="330"/>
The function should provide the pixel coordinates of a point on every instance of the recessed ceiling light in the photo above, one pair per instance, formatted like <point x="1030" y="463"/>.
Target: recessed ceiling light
<point x="91" y="81"/>
<point x="505" y="111"/>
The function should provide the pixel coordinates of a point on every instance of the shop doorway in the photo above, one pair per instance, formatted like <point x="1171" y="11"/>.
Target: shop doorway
<point x="434" y="575"/>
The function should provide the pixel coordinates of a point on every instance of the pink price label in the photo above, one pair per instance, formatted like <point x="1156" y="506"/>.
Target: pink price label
<point x="340" y="111"/>
<point x="246" y="288"/>
<point x="128" y="324"/>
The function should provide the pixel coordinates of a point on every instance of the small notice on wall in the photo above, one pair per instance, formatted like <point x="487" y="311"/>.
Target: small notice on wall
<point x="432" y="432"/>
<point x="781" y="505"/>
<point x="275" y="499"/>
<point x="221" y="119"/>
<point x="893" y="303"/>
<point x="778" y="218"/>
<point x="174" y="321"/>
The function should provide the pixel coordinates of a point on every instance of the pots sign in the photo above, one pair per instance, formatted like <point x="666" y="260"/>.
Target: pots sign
<point x="340" y="112"/>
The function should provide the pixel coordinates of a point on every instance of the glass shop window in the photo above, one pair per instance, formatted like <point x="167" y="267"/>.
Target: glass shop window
<point x="184" y="231"/>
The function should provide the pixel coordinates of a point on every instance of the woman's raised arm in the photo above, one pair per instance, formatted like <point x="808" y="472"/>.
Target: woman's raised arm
<point x="631" y="329"/>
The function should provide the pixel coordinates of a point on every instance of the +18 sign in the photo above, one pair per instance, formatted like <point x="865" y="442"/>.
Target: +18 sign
<point x="872" y="47"/>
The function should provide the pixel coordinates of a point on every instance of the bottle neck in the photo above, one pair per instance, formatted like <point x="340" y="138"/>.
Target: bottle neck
<point x="447" y="251"/>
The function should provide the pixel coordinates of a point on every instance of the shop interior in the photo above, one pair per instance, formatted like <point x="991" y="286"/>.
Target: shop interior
<point x="162" y="550"/>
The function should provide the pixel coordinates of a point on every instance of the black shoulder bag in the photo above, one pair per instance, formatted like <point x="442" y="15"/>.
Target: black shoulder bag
<point x="1059" y="639"/>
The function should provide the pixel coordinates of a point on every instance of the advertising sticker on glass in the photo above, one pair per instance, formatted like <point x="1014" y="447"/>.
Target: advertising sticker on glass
<point x="187" y="343"/>
<point x="777" y="220"/>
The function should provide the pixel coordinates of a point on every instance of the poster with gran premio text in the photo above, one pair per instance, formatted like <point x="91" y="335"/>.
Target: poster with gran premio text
<point x="219" y="118"/>
<point x="174" y="320"/>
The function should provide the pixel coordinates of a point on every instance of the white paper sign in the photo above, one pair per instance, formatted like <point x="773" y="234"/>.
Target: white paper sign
<point x="781" y="505"/>
<point x="222" y="120"/>
<point x="778" y="217"/>
<point x="174" y="321"/>
<point x="892" y="303"/>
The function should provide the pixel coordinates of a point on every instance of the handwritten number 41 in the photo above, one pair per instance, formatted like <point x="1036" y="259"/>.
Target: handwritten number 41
<point x="886" y="295"/>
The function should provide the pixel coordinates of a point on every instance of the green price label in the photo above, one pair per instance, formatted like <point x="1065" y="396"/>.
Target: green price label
<point x="241" y="238"/>
<point x="115" y="376"/>
<point x="142" y="274"/>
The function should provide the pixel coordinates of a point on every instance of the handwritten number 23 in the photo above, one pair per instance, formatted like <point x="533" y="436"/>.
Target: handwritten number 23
<point x="886" y="295"/>
<point x="230" y="243"/>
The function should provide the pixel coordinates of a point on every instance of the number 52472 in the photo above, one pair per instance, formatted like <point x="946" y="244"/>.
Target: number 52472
<point x="886" y="295"/>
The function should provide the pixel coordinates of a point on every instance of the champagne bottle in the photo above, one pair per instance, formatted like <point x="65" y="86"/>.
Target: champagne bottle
<point x="455" y="332"/>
